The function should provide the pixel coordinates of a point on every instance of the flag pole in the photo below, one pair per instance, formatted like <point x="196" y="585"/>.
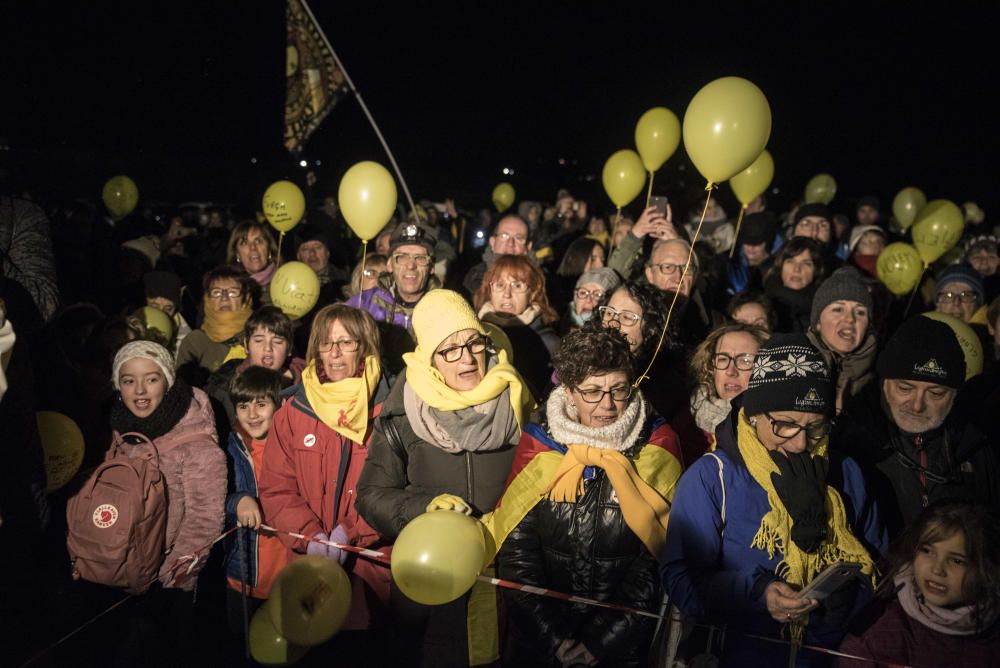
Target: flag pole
<point x="364" y="108"/>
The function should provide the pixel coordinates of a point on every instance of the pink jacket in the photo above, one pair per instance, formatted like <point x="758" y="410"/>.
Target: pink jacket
<point x="194" y="469"/>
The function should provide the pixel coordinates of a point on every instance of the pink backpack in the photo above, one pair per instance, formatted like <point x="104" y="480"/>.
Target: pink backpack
<point x="118" y="521"/>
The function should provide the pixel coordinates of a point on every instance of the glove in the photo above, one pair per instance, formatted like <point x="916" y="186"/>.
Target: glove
<point x="801" y="486"/>
<point x="338" y="535"/>
<point x="449" y="502"/>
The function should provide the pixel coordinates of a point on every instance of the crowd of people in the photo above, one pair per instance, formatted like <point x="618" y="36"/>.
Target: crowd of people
<point x="683" y="419"/>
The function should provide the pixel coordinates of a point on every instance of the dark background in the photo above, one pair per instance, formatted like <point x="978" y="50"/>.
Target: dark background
<point x="181" y="95"/>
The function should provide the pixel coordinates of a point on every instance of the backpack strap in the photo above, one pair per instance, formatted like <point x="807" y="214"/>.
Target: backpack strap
<point x="722" y="484"/>
<point x="392" y="435"/>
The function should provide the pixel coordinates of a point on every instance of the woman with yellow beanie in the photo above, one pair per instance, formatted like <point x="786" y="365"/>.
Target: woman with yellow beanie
<point x="445" y="440"/>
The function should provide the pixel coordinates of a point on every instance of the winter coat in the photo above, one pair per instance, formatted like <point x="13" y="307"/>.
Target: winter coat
<point x="851" y="372"/>
<point x="26" y="252"/>
<point x="308" y="486"/>
<point x="792" y="308"/>
<point x="712" y="573"/>
<point x="194" y="470"/>
<point x="383" y="303"/>
<point x="203" y="351"/>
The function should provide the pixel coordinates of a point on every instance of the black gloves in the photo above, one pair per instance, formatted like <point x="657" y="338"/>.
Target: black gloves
<point x="801" y="486"/>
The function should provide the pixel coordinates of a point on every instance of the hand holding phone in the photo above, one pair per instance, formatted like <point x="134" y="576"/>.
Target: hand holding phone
<point x="830" y="580"/>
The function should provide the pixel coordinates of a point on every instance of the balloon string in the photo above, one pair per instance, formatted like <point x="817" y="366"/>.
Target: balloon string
<point x="687" y="265"/>
<point x="364" y="256"/>
<point x="649" y="191"/>
<point x="739" y="222"/>
<point x="618" y="219"/>
<point x="913" y="292"/>
<point x="461" y="237"/>
<point x="281" y="239"/>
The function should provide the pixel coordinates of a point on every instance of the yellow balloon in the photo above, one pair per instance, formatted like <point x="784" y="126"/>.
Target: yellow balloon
<point x="973" y="213"/>
<point x="294" y="289"/>
<point x="158" y="321"/>
<point x="367" y="198"/>
<point x="972" y="347"/>
<point x="267" y="646"/>
<point x="754" y="180"/>
<point x="310" y="600"/>
<point x="438" y="556"/>
<point x="821" y="188"/>
<point x="907" y="204"/>
<point x="120" y="196"/>
<point x="937" y="228"/>
<point x="284" y="205"/>
<point x="623" y="176"/>
<point x="503" y="196"/>
<point x="657" y="135"/>
<point x="899" y="267"/>
<point x="726" y="126"/>
<point x="62" y="445"/>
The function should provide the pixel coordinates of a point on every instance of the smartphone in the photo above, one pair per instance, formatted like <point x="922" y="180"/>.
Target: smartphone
<point x="830" y="580"/>
<point x="660" y="203"/>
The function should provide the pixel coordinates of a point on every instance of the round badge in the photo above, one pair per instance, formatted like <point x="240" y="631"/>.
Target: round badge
<point x="309" y="440"/>
<point x="105" y="515"/>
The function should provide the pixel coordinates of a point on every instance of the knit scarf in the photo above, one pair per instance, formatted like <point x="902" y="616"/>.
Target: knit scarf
<point x="643" y="509"/>
<point x="220" y="326"/>
<point x="429" y="385"/>
<point x="709" y="411"/>
<point x="951" y="621"/>
<point x="343" y="405"/>
<point x="509" y="319"/>
<point x="264" y="276"/>
<point x="488" y="426"/>
<point x="797" y="567"/>
<point x="164" y="417"/>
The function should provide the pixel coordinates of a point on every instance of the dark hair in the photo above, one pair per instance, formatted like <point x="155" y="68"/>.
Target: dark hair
<point x="751" y="297"/>
<point x="577" y="255"/>
<point x="981" y="528"/>
<point x="240" y="234"/>
<point x="522" y="269"/>
<point x="586" y="352"/>
<point x="251" y="290"/>
<point x="654" y="304"/>
<point x="272" y="319"/>
<point x="794" y="247"/>
<point x="256" y="382"/>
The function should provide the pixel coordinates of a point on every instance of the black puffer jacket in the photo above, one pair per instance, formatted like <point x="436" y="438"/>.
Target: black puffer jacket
<point x="397" y="483"/>
<point x="583" y="548"/>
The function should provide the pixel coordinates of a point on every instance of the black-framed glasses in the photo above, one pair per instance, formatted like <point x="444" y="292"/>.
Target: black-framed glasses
<point x="421" y="259"/>
<point x="475" y="347"/>
<point x="610" y="314"/>
<point x="788" y="429"/>
<point x="667" y="269"/>
<point x="517" y="287"/>
<point x="228" y="293"/>
<point x="965" y="296"/>
<point x="345" y="345"/>
<point x="743" y="361"/>
<point x="595" y="396"/>
<point x="589" y="294"/>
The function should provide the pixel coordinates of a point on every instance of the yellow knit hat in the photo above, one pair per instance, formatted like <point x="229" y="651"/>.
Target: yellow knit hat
<point x="438" y="315"/>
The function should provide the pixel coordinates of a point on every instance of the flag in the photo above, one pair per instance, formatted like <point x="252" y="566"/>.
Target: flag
<point x="314" y="81"/>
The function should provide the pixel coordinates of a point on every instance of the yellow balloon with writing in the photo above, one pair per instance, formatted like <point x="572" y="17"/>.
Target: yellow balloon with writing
<point x="367" y="198"/>
<point x="623" y="176"/>
<point x="972" y="347"/>
<point x="310" y="600"/>
<point x="907" y="204"/>
<point x="267" y="646"/>
<point x="158" y="324"/>
<point x="294" y="289"/>
<point x="937" y="228"/>
<point x="726" y="126"/>
<point x="899" y="267"/>
<point x="657" y="135"/>
<point x="503" y="196"/>
<point x="120" y="196"/>
<point x="821" y="188"/>
<point x="284" y="205"/>
<point x="438" y="556"/>
<point x="754" y="180"/>
<point x="62" y="447"/>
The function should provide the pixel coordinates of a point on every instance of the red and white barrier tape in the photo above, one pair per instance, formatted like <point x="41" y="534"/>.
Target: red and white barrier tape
<point x="347" y="548"/>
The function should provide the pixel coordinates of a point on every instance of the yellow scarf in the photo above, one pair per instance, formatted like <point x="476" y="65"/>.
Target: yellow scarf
<point x="798" y="568"/>
<point x="343" y="405"/>
<point x="224" y="325"/>
<point x="644" y="510"/>
<point x="428" y="384"/>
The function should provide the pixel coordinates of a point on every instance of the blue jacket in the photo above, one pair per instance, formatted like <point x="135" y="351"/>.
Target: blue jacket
<point x="715" y="575"/>
<point x="243" y="482"/>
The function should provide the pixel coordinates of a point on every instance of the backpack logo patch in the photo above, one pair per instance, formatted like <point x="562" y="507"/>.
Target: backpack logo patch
<point x="105" y="516"/>
<point x="309" y="440"/>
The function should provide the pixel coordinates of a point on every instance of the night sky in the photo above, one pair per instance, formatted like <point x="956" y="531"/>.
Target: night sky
<point x="182" y="95"/>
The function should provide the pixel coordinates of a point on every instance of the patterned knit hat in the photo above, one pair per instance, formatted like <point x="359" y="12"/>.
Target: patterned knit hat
<point x="147" y="350"/>
<point x="438" y="315"/>
<point x="789" y="375"/>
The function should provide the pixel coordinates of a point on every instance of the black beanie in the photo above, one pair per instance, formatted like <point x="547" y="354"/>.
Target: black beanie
<point x="758" y="228"/>
<point x="789" y="375"/>
<point x="845" y="283"/>
<point x="926" y="350"/>
<point x="313" y="232"/>
<point x="815" y="209"/>
<point x="162" y="284"/>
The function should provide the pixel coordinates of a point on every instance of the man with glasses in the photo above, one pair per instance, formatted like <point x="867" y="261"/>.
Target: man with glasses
<point x="913" y="446"/>
<point x="692" y="319"/>
<point x="510" y="237"/>
<point x="959" y="293"/>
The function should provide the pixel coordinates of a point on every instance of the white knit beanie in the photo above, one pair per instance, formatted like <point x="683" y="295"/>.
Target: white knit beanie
<point x="147" y="350"/>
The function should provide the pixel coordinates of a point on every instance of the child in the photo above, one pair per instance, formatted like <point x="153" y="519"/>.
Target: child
<point x="946" y="574"/>
<point x="254" y="393"/>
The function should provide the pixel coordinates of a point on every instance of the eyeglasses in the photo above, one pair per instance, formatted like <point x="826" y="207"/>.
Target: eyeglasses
<point x="422" y="260"/>
<point x="515" y="286"/>
<point x="220" y="293"/>
<point x="666" y="268"/>
<point x="474" y="346"/>
<point x="787" y="429"/>
<point x="966" y="297"/>
<point x="610" y="314"/>
<point x="595" y="396"/>
<point x="370" y="273"/>
<point x="743" y="361"/>
<point x="518" y="239"/>
<point x="589" y="294"/>
<point x="344" y="345"/>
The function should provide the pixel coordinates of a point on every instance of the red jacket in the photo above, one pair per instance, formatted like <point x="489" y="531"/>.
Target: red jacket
<point x="308" y="486"/>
